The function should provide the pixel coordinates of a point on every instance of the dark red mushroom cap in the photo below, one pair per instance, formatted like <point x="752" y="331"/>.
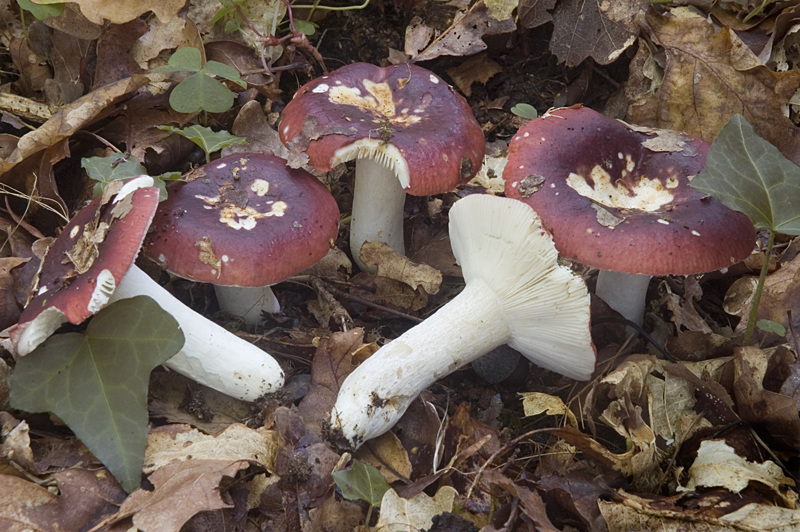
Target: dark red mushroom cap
<point x="90" y="257"/>
<point x="617" y="197"/>
<point x="405" y="106"/>
<point x="243" y="220"/>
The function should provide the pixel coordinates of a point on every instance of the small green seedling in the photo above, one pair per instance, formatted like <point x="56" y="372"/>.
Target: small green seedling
<point x="104" y="170"/>
<point x="96" y="381"/>
<point x="362" y="482"/>
<point x="771" y="326"/>
<point x="748" y="174"/>
<point x="208" y="139"/>
<point x="47" y="8"/>
<point x="200" y="91"/>
<point x="525" y="110"/>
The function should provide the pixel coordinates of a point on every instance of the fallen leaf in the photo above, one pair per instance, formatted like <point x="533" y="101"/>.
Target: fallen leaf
<point x="535" y="403"/>
<point x="601" y="30"/>
<point x="393" y="265"/>
<point x="237" y="442"/>
<point x="333" y="361"/>
<point x="533" y="13"/>
<point x="182" y="489"/>
<point x="69" y="119"/>
<point x="718" y="465"/>
<point x="411" y="515"/>
<point x="477" y="69"/>
<point x="120" y="12"/>
<point x="387" y="455"/>
<point x="464" y="36"/>
<point x="709" y="76"/>
<point x="772" y="414"/>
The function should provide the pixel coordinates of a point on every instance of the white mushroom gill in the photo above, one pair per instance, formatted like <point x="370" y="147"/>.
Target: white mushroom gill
<point x="516" y="293"/>
<point x="379" y="196"/>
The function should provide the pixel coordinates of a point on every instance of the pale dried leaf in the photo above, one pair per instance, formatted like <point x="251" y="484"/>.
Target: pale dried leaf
<point x="395" y="266"/>
<point x="388" y="456"/>
<point x="117" y="12"/>
<point x="237" y="442"/>
<point x="718" y="465"/>
<point x="411" y="515"/>
<point x="535" y="403"/>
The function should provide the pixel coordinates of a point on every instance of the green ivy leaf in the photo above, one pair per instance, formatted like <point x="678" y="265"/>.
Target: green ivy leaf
<point x="97" y="381"/>
<point x="207" y="138"/>
<point x="771" y="326"/>
<point x="525" y="110"/>
<point x="748" y="174"/>
<point x="42" y="11"/>
<point x="104" y="170"/>
<point x="362" y="482"/>
<point x="224" y="71"/>
<point x="187" y="58"/>
<point x="201" y="92"/>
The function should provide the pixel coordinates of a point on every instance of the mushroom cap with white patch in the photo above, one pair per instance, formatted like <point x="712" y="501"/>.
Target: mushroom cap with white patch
<point x="403" y="115"/>
<point x="243" y="220"/>
<point x="617" y="197"/>
<point x="86" y="262"/>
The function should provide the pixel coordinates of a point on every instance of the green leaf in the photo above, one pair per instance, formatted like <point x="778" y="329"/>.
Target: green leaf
<point x="207" y="138"/>
<point x="160" y="182"/>
<point x="201" y="92"/>
<point x="771" y="326"/>
<point x="221" y="12"/>
<point x="362" y="482"/>
<point x="306" y="27"/>
<point x="41" y="12"/>
<point x="748" y="174"/>
<point x="224" y="71"/>
<point x="104" y="170"/>
<point x="97" y="381"/>
<point x="525" y="111"/>
<point x="187" y="58"/>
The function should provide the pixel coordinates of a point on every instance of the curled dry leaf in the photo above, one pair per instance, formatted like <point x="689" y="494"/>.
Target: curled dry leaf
<point x="462" y="38"/>
<point x="395" y="266"/>
<point x="477" y="69"/>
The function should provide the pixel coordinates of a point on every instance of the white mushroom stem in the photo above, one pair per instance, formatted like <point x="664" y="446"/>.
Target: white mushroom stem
<point x="247" y="302"/>
<point x="624" y="292"/>
<point x="378" y="201"/>
<point x="211" y="355"/>
<point x="516" y="293"/>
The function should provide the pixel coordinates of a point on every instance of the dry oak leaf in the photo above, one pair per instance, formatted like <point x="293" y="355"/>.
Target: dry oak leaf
<point x="69" y="119"/>
<point x="600" y="29"/>
<point x="410" y="515"/>
<point x="120" y="12"/>
<point x="534" y="13"/>
<point x="709" y="77"/>
<point x="182" y="489"/>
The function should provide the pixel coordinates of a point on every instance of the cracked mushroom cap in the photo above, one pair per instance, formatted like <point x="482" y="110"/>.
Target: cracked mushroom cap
<point x="243" y="220"/>
<point x="403" y="115"/>
<point x="617" y="197"/>
<point x="87" y="261"/>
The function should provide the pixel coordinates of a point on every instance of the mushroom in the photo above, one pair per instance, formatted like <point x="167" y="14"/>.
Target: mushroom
<point x="407" y="129"/>
<point x="617" y="197"/>
<point x="516" y="293"/>
<point x="91" y="264"/>
<point x="243" y="222"/>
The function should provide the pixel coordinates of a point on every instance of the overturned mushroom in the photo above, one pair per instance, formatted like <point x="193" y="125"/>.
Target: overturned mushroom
<point x="617" y="197"/>
<point x="407" y="129"/>
<point x="516" y="293"/>
<point x="91" y="265"/>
